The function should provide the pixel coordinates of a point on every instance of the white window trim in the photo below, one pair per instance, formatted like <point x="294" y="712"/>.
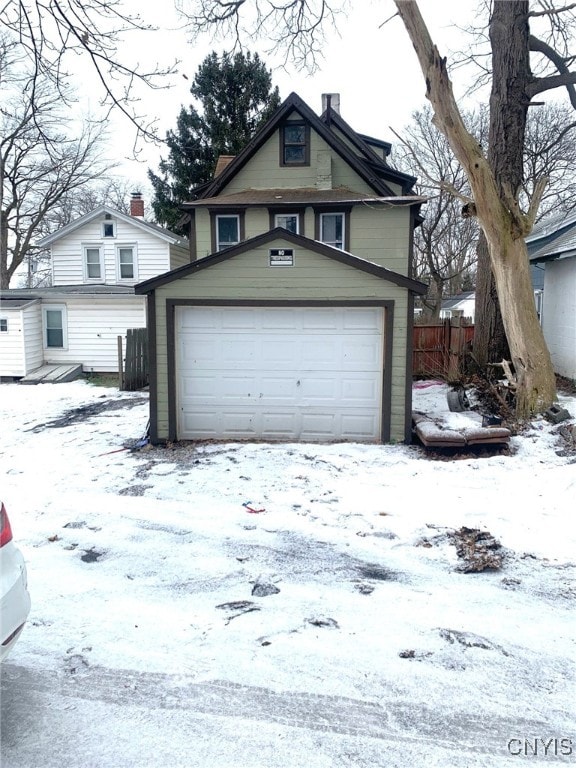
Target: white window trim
<point x="285" y="216"/>
<point x="343" y="217"/>
<point x="58" y="308"/>
<point x="119" y="277"/>
<point x="236" y="216"/>
<point x="3" y="321"/>
<point x="85" y="247"/>
<point x="113" y="225"/>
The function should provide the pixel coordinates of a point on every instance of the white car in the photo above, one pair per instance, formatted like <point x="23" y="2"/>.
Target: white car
<point x="14" y="597"/>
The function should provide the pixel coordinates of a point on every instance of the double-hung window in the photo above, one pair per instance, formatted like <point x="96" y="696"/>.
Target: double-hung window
<point x="227" y="231"/>
<point x="295" y="144"/>
<point x="55" y="331"/>
<point x="3" y="325"/>
<point x="287" y="221"/>
<point x="332" y="229"/>
<point x="93" y="262"/>
<point x="126" y="262"/>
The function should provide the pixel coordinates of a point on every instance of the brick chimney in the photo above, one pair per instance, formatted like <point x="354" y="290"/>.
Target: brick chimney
<point x="137" y="205"/>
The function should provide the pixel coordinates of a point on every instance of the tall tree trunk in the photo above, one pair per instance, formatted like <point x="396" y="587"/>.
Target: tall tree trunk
<point x="490" y="344"/>
<point x="495" y="183"/>
<point x="4" y="275"/>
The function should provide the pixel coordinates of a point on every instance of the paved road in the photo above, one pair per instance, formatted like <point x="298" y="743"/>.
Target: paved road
<point x="92" y="717"/>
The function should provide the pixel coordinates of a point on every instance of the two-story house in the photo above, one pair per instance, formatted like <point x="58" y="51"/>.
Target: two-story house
<point x="293" y="319"/>
<point x="96" y="260"/>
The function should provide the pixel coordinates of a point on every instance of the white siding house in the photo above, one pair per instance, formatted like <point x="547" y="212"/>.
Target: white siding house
<point x="553" y="246"/>
<point x="20" y="337"/>
<point x="96" y="261"/>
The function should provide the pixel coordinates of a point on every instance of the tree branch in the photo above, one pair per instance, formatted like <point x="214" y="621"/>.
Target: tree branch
<point x="565" y="78"/>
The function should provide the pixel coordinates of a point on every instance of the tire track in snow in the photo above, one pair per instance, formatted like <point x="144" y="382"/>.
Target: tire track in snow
<point x="395" y="720"/>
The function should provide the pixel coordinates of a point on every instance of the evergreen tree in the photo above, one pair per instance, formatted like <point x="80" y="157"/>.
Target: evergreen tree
<point x="236" y="95"/>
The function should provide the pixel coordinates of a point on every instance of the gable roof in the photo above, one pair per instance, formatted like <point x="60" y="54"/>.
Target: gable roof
<point x="369" y="166"/>
<point x="145" y="226"/>
<point x="364" y="145"/>
<point x="275" y="234"/>
<point x="554" y="238"/>
<point x="451" y="302"/>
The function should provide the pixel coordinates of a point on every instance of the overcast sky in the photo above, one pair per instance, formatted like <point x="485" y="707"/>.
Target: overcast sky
<point x="372" y="66"/>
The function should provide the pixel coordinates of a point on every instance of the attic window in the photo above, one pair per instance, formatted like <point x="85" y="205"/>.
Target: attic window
<point x="294" y="144"/>
<point x="108" y="229"/>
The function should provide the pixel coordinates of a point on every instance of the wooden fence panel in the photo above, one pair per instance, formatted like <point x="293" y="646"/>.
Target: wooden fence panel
<point x="439" y="348"/>
<point x="136" y="364"/>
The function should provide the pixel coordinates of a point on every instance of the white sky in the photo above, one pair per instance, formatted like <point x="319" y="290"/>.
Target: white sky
<point x="115" y="647"/>
<point x="374" y="69"/>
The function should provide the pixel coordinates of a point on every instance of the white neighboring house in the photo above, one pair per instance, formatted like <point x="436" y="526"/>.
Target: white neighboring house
<point x="552" y="246"/>
<point x="96" y="261"/>
<point x="461" y="305"/>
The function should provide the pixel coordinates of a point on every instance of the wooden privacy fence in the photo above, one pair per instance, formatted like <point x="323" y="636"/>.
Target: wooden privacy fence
<point x="134" y="371"/>
<point x="439" y="348"/>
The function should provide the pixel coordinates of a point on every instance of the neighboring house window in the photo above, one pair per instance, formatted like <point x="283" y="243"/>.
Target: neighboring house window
<point x="227" y="229"/>
<point x="333" y="229"/>
<point x="55" y="332"/>
<point x="3" y="325"/>
<point x="295" y="144"/>
<point x="93" y="263"/>
<point x="108" y="229"/>
<point x="126" y="262"/>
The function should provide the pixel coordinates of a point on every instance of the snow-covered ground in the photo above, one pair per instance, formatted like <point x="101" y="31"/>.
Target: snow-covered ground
<point x="362" y="632"/>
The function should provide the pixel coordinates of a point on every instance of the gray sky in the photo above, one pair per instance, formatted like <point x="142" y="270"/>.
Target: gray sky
<point x="373" y="67"/>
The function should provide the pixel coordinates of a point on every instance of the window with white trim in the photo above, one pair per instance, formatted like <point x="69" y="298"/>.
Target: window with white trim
<point x="93" y="262"/>
<point x="332" y="226"/>
<point x="55" y="327"/>
<point x="3" y="325"/>
<point x="227" y="231"/>
<point x="126" y="262"/>
<point x="287" y="221"/>
<point x="108" y="229"/>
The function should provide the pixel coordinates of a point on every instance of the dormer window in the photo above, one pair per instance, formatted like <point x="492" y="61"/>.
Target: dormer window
<point x="294" y="144"/>
<point x="108" y="229"/>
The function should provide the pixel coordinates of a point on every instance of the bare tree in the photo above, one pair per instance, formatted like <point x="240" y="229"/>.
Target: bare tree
<point x="496" y="178"/>
<point x="550" y="151"/>
<point x="445" y="243"/>
<point x="55" y="34"/>
<point x="39" y="165"/>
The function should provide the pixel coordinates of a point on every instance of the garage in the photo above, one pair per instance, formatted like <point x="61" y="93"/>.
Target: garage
<point x="279" y="373"/>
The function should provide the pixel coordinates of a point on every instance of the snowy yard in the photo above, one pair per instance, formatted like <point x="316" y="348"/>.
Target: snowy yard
<point x="333" y="628"/>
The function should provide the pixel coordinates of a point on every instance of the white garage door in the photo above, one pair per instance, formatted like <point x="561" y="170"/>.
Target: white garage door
<point x="275" y="373"/>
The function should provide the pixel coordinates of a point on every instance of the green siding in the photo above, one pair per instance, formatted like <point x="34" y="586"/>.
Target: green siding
<point x="264" y="170"/>
<point x="313" y="277"/>
<point x="378" y="234"/>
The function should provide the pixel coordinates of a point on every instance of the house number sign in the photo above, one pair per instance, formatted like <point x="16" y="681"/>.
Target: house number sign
<point x="281" y="257"/>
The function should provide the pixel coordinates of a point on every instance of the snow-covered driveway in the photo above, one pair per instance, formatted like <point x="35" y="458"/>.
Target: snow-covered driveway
<point x="171" y="626"/>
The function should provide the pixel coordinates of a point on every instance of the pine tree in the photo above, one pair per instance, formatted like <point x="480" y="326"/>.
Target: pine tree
<point x="236" y="95"/>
